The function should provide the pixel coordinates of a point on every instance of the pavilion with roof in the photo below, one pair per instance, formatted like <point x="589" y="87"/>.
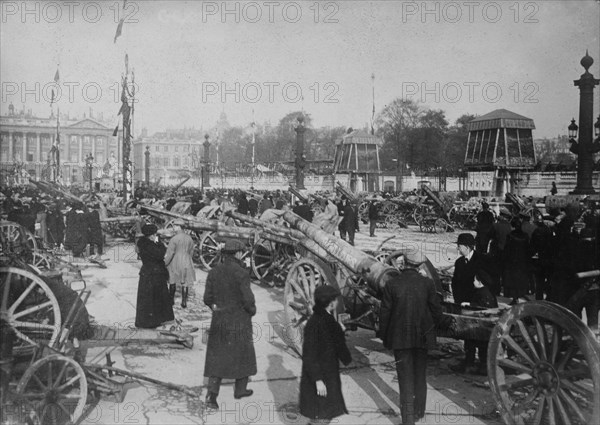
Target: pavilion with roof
<point x="499" y="148"/>
<point x="357" y="157"/>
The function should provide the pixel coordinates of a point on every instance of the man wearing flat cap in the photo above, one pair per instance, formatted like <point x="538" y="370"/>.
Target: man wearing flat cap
<point x="179" y="262"/>
<point x="410" y="312"/>
<point x="230" y="349"/>
<point x="323" y="348"/>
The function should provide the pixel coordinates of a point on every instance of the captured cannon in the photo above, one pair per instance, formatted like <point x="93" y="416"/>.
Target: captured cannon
<point x="208" y="234"/>
<point x="543" y="361"/>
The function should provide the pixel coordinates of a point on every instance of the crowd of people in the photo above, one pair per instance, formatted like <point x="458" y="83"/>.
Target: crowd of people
<point x="527" y="257"/>
<point x="518" y="257"/>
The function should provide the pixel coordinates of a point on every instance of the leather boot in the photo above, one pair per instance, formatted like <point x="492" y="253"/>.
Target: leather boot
<point x="172" y="288"/>
<point x="184" y="296"/>
<point x="211" y="401"/>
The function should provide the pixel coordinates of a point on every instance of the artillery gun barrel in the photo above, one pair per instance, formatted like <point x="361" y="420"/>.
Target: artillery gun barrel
<point x="182" y="183"/>
<point x="121" y="220"/>
<point x="344" y="191"/>
<point x="297" y="194"/>
<point x="293" y="235"/>
<point x="434" y="198"/>
<point x="206" y="225"/>
<point x="375" y="273"/>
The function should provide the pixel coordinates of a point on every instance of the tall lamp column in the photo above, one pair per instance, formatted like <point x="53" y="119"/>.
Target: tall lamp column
<point x="585" y="147"/>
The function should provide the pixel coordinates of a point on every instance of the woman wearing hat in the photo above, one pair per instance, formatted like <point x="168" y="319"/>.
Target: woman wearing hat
<point x="153" y="302"/>
<point x="178" y="260"/>
<point x="323" y="348"/>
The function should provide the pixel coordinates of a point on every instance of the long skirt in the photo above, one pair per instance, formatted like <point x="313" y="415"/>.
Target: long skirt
<point x="153" y="301"/>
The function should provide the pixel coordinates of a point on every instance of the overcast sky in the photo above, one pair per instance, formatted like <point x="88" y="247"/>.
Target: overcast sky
<point x="462" y="57"/>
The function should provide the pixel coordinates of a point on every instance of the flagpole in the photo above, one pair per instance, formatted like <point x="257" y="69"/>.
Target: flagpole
<point x="253" y="151"/>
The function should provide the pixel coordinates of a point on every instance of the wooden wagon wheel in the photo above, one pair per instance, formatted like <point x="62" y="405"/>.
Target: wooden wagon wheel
<point x="388" y="207"/>
<point x="440" y="226"/>
<point x="13" y="232"/>
<point x="57" y="387"/>
<point x="363" y="210"/>
<point x="270" y="260"/>
<point x="29" y="307"/>
<point x="303" y="277"/>
<point x="544" y="366"/>
<point x="209" y="250"/>
<point x="41" y="261"/>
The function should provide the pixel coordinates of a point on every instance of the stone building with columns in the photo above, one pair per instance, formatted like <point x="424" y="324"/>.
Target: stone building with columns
<point x="26" y="140"/>
<point x="173" y="155"/>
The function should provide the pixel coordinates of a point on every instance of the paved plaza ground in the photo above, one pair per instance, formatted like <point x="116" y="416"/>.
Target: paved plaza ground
<point x="369" y="383"/>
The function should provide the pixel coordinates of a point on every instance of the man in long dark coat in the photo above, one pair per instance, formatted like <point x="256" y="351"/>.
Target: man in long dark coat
<point x="76" y="237"/>
<point x="230" y="349"/>
<point x="323" y="348"/>
<point x="410" y="312"/>
<point x="243" y="207"/>
<point x="484" y="228"/>
<point x="95" y="235"/>
<point x="466" y="267"/>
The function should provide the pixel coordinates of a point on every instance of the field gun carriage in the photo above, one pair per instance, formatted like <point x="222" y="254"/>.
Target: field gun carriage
<point x="543" y="361"/>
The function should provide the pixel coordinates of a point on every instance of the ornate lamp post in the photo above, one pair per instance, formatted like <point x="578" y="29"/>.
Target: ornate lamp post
<point x="300" y="158"/>
<point x="585" y="147"/>
<point x="205" y="171"/>
<point x="89" y="163"/>
<point x="147" y="166"/>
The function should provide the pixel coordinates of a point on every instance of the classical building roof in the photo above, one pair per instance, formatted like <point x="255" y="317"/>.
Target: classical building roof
<point x="500" y="118"/>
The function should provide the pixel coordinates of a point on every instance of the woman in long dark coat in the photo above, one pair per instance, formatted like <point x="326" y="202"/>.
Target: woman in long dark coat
<point x="153" y="300"/>
<point x="517" y="259"/>
<point x="230" y="348"/>
<point x="323" y="348"/>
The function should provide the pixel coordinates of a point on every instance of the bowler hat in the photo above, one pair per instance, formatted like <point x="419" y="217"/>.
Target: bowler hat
<point x="149" y="229"/>
<point x="233" y="245"/>
<point x="324" y="294"/>
<point x="466" y="239"/>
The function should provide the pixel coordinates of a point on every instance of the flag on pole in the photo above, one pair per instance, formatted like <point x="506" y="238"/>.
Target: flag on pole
<point x="116" y="131"/>
<point x="56" y="76"/>
<point x="52" y="98"/>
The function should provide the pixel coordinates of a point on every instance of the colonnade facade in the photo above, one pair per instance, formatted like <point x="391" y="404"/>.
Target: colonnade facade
<point x="29" y="141"/>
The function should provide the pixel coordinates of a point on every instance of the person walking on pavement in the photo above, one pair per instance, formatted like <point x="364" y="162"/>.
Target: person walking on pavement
<point x="230" y="350"/>
<point x="373" y="216"/>
<point x="410" y="312"/>
<point x="484" y="228"/>
<point x="178" y="260"/>
<point x="323" y="348"/>
<point x="153" y="306"/>
<point x="350" y="222"/>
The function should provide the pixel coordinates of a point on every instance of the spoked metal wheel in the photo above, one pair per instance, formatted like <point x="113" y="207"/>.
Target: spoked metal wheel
<point x="57" y="388"/>
<point x="29" y="307"/>
<point x="270" y="261"/>
<point x="544" y="366"/>
<point x="304" y="276"/>
<point x="13" y="233"/>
